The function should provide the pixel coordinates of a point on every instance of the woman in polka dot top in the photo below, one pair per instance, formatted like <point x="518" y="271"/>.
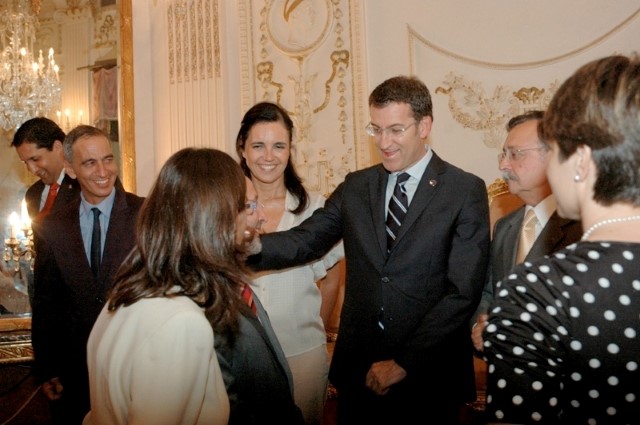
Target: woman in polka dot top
<point x="563" y="339"/>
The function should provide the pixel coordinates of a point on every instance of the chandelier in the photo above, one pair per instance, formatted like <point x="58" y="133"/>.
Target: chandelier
<point x="29" y="86"/>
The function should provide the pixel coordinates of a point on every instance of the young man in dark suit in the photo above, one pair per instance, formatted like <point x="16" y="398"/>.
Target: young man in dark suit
<point x="414" y="275"/>
<point x="38" y="143"/>
<point x="523" y="163"/>
<point x="79" y="249"/>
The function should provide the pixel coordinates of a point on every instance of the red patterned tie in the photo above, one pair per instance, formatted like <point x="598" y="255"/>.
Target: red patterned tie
<point x="51" y="197"/>
<point x="247" y="297"/>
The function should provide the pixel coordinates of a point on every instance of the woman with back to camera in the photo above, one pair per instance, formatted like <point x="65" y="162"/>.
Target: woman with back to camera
<point x="297" y="308"/>
<point x="563" y="334"/>
<point x="151" y="352"/>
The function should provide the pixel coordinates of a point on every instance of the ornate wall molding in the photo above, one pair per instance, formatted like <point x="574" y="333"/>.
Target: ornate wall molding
<point x="471" y="107"/>
<point x="194" y="109"/>
<point x="194" y="42"/>
<point x="474" y="97"/>
<point x="416" y="37"/>
<point x="105" y="29"/>
<point x="300" y="55"/>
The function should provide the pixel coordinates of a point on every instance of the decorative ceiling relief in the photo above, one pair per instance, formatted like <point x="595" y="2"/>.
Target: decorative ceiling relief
<point x="473" y="108"/>
<point x="301" y="58"/>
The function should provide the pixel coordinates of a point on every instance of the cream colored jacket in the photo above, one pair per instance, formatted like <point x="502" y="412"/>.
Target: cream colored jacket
<point x="153" y="362"/>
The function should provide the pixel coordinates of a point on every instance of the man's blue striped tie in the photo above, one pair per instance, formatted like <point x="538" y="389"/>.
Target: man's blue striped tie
<point x="398" y="205"/>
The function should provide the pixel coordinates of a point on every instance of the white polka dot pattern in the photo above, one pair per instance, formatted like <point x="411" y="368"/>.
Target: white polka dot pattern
<point x="563" y="338"/>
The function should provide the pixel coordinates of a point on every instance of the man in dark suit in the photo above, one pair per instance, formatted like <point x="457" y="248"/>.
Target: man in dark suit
<point x="38" y="143"/>
<point x="403" y="352"/>
<point x="523" y="163"/>
<point x="256" y="373"/>
<point x="69" y="291"/>
<point x="254" y="368"/>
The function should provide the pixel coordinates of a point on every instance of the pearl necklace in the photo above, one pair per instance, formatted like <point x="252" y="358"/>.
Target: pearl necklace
<point x="599" y="224"/>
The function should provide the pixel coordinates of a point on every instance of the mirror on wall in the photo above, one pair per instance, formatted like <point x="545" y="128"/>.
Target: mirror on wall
<point x="92" y="40"/>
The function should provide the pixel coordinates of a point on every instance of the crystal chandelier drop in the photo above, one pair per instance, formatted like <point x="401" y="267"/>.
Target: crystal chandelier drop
<point x="29" y="86"/>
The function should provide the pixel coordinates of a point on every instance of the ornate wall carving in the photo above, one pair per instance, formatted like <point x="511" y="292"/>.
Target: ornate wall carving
<point x="300" y="54"/>
<point x="473" y="108"/>
<point x="194" y="75"/>
<point x="477" y="87"/>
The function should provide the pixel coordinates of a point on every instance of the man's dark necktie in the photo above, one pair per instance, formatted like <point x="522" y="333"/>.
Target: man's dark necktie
<point x="398" y="205"/>
<point x="95" y="243"/>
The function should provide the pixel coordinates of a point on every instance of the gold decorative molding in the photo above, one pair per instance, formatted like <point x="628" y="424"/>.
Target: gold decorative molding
<point x="321" y="81"/>
<point x="15" y="339"/>
<point x="298" y="28"/>
<point x="497" y="188"/>
<point x="473" y="108"/>
<point x="16" y="352"/>
<point x="293" y="39"/>
<point x="193" y="40"/>
<point x="127" y="115"/>
<point x="106" y="30"/>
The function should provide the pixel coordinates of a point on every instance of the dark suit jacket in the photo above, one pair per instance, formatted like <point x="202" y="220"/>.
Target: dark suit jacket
<point x="556" y="234"/>
<point x="424" y="290"/>
<point x="69" y="190"/>
<point x="67" y="299"/>
<point x="256" y="373"/>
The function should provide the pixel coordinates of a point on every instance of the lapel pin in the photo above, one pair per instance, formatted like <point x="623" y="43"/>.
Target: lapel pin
<point x="433" y="183"/>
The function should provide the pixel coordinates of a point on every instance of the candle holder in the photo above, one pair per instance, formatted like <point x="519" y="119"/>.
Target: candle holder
<point x="16" y="250"/>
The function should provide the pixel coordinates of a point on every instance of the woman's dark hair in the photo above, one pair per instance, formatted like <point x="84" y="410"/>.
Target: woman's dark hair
<point x="599" y="106"/>
<point x="186" y="238"/>
<point x="270" y="112"/>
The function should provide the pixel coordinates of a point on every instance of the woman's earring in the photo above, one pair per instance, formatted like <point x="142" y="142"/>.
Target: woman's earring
<point x="576" y="178"/>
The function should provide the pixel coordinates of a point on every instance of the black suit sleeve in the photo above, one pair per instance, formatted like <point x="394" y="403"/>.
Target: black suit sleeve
<point x="306" y="242"/>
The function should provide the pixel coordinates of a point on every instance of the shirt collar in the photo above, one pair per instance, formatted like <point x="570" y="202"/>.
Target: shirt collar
<point x="105" y="206"/>
<point x="544" y="210"/>
<point x="417" y="170"/>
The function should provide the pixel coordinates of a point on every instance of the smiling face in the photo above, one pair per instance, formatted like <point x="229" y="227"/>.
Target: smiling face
<point x="267" y="151"/>
<point x="43" y="163"/>
<point x="94" y="166"/>
<point x="399" y="151"/>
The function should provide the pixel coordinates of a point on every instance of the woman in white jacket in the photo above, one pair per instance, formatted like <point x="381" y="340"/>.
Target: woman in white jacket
<point x="298" y="309"/>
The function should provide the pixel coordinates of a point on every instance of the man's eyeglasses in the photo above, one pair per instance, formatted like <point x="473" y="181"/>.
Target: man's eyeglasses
<point x="251" y="206"/>
<point x="395" y="130"/>
<point x="514" y="155"/>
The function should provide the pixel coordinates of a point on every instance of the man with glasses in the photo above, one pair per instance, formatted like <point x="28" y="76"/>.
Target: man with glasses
<point x="523" y="163"/>
<point x="416" y="237"/>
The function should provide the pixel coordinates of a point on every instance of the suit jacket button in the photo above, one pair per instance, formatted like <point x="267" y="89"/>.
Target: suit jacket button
<point x="385" y="280"/>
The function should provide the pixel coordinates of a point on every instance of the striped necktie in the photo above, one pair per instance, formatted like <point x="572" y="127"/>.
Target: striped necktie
<point x="398" y="205"/>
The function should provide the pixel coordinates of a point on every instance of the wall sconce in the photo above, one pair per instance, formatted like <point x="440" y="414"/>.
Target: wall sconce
<point x="70" y="119"/>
